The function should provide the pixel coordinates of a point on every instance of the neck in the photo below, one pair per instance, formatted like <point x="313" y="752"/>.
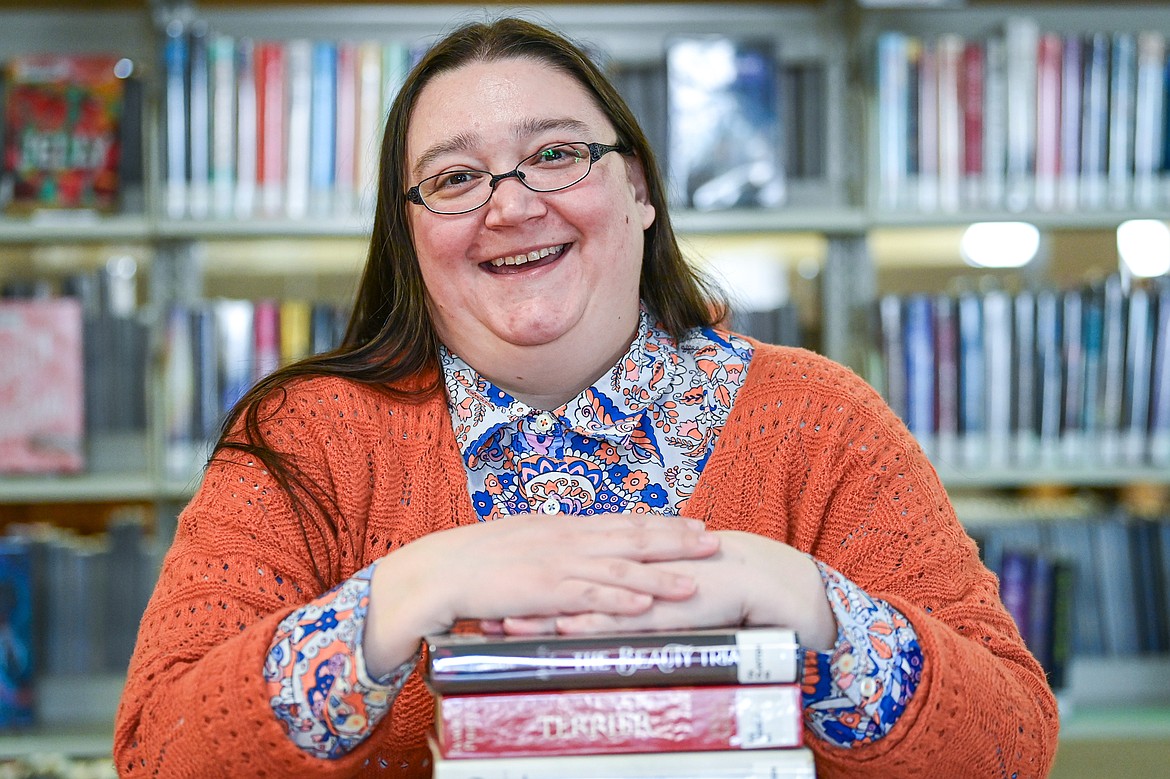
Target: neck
<point x="548" y="376"/>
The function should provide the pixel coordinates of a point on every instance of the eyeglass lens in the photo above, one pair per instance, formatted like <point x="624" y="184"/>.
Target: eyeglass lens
<point x="552" y="168"/>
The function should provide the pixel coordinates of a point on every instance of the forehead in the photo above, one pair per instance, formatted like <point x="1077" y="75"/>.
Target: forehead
<point x="491" y="104"/>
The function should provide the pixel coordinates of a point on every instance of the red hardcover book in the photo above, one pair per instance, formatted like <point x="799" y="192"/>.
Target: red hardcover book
<point x="270" y="124"/>
<point x="971" y="87"/>
<point x="652" y="719"/>
<point x="42" y="426"/>
<point x="62" y="115"/>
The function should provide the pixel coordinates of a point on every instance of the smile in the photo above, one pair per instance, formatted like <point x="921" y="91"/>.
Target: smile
<point x="524" y="259"/>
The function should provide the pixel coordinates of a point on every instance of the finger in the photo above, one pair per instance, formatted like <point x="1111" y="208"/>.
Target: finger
<point x="577" y="597"/>
<point x="633" y="575"/>
<point x="647" y="543"/>
<point x="529" y="626"/>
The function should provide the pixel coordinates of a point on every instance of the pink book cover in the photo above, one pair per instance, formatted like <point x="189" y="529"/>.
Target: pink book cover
<point x="42" y="399"/>
<point x="650" y="719"/>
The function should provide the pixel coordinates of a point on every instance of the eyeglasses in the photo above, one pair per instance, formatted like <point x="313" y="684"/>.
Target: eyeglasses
<point x="553" y="168"/>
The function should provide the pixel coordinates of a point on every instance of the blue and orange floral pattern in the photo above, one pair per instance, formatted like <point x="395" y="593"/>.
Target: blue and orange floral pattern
<point x="317" y="682"/>
<point x="855" y="693"/>
<point x="636" y="441"/>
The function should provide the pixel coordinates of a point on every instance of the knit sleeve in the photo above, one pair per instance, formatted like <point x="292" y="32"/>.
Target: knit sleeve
<point x="983" y="706"/>
<point x="817" y="459"/>
<point x="196" y="703"/>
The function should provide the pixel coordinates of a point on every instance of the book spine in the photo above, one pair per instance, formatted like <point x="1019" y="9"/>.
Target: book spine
<point x="1149" y="126"/>
<point x="892" y="85"/>
<point x="791" y="763"/>
<point x="921" y="369"/>
<point x="271" y="125"/>
<point x="999" y="381"/>
<point x="950" y="122"/>
<point x="1049" y="61"/>
<point x="175" y="56"/>
<point x="928" y="126"/>
<point x="972" y="380"/>
<point x="222" y="55"/>
<point x="1138" y="356"/>
<point x="995" y="121"/>
<point x="369" y="122"/>
<point x="300" y="120"/>
<point x="972" y="106"/>
<point x="247" y="141"/>
<point x="1095" y="115"/>
<point x="266" y="338"/>
<point x="666" y="719"/>
<point x="17" y="671"/>
<point x="1026" y="396"/>
<point x="323" y="128"/>
<point x="755" y="656"/>
<point x="946" y="348"/>
<point x="1021" y="40"/>
<point x="1121" y="119"/>
<point x="1160" y="384"/>
<point x="345" y="156"/>
<point x="1075" y="377"/>
<point x="199" y="123"/>
<point x="1072" y="76"/>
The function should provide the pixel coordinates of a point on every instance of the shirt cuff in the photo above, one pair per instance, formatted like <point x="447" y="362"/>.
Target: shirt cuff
<point x="855" y="692"/>
<point x="318" y="684"/>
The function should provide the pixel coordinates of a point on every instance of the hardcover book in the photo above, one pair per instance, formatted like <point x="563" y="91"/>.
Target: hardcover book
<point x="42" y="429"/>
<point x="17" y="687"/>
<point x="654" y="719"/>
<point x="62" y="117"/>
<point x="473" y="662"/>
<point x="725" y="148"/>
<point x="796" y="763"/>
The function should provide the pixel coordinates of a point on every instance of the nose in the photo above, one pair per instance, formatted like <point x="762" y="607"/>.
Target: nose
<point x="509" y="205"/>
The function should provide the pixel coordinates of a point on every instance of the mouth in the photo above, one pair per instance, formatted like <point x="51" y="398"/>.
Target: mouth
<point x="537" y="258"/>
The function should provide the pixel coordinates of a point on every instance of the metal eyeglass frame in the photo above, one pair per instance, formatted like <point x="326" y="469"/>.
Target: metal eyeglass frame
<point x="596" y="152"/>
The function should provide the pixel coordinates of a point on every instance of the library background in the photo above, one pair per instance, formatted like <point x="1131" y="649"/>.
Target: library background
<point x="965" y="202"/>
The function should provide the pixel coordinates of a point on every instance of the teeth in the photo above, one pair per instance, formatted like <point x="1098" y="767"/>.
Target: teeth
<point x="532" y="256"/>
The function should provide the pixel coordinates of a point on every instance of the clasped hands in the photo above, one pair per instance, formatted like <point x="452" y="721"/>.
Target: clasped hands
<point x="540" y="573"/>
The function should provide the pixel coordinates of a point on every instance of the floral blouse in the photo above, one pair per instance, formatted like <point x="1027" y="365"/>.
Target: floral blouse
<point x="637" y="441"/>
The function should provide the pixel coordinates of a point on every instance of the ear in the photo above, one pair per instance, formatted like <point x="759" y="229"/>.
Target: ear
<point x="641" y="191"/>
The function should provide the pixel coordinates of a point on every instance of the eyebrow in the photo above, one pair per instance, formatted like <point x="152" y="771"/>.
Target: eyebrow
<point x="523" y="129"/>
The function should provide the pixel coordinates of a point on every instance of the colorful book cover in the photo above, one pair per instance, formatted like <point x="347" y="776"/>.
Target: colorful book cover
<point x="582" y="722"/>
<point x="62" y="138"/>
<point x="42" y="429"/>
<point x="471" y="662"/>
<point x="17" y="692"/>
<point x="725" y="147"/>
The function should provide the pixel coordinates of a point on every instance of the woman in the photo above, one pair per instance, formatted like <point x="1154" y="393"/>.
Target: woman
<point x="528" y="344"/>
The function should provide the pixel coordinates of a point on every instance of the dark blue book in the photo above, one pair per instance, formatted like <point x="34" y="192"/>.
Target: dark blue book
<point x="972" y="380"/>
<point x="1015" y="589"/>
<point x="16" y="635"/>
<point x="921" y="367"/>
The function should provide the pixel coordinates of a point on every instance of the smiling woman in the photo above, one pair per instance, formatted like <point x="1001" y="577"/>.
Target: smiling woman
<point x="536" y="423"/>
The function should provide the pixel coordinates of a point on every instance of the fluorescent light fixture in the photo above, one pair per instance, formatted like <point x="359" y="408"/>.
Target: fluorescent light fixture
<point x="1000" y="244"/>
<point x="1144" y="246"/>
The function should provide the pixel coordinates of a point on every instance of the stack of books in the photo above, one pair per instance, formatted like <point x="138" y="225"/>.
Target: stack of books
<point x="701" y="703"/>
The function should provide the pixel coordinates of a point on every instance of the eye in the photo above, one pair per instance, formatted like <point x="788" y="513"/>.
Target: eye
<point x="452" y="181"/>
<point x="560" y="155"/>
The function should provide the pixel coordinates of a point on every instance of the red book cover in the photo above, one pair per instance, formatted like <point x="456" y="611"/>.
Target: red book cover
<point x="62" y="115"/>
<point x="42" y="426"/>
<point x="971" y="89"/>
<point x="270" y="123"/>
<point x="652" y="719"/>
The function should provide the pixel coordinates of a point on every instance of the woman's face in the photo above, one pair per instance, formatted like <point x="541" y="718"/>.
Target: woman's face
<point x="579" y="302"/>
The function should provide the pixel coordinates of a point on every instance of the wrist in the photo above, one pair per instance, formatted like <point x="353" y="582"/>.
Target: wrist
<point x="400" y="613"/>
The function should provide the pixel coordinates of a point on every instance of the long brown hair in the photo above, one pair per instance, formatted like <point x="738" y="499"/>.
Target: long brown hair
<point x="390" y="337"/>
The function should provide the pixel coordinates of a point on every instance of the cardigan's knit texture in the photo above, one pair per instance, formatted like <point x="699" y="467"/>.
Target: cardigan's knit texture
<point x="810" y="455"/>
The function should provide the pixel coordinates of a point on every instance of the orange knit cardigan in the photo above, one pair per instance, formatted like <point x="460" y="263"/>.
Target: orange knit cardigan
<point x="810" y="455"/>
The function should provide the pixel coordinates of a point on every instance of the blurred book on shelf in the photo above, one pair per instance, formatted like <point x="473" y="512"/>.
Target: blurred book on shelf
<point x="725" y="148"/>
<point x="42" y="387"/>
<point x="72" y="133"/>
